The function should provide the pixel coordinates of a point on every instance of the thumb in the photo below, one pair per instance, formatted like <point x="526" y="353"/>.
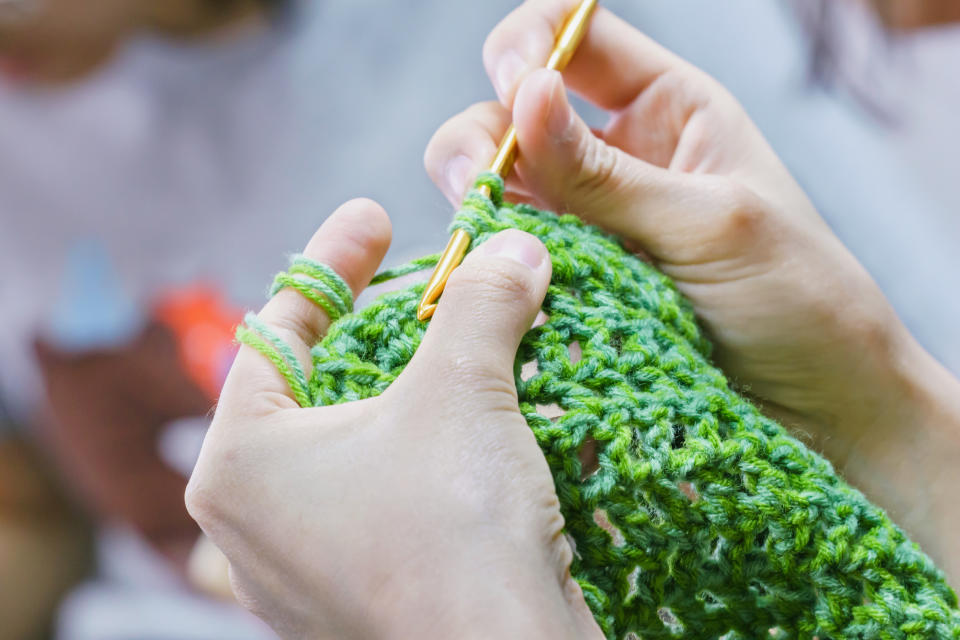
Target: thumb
<point x="563" y="163"/>
<point x="489" y="303"/>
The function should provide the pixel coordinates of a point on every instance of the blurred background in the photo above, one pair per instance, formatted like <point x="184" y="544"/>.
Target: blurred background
<point x="159" y="159"/>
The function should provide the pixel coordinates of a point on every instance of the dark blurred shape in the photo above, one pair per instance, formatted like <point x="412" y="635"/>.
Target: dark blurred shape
<point x="107" y="409"/>
<point x="826" y="23"/>
<point x="823" y="21"/>
<point x="45" y="545"/>
<point x="58" y="41"/>
<point x="913" y="14"/>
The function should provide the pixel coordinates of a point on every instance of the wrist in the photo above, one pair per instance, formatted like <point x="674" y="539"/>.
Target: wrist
<point x="915" y="411"/>
<point x="905" y="458"/>
<point x="868" y="386"/>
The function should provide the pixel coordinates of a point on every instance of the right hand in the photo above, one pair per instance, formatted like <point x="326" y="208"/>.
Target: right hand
<point x="681" y="173"/>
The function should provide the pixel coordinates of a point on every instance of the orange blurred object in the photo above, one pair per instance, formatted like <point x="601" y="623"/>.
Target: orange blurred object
<point x="203" y="324"/>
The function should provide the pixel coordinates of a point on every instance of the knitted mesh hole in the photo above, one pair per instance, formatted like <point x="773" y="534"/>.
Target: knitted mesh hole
<point x="761" y="538"/>
<point x="759" y="587"/>
<point x="716" y="548"/>
<point x="575" y="351"/>
<point x="687" y="489"/>
<point x="679" y="437"/>
<point x="670" y="621"/>
<point x="632" y="588"/>
<point x="616" y="341"/>
<point x="709" y="600"/>
<point x="603" y="521"/>
<point x="528" y="370"/>
<point x="589" y="462"/>
<point x="552" y="412"/>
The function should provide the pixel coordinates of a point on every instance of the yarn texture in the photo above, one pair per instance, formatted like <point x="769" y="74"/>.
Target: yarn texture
<point x="704" y="519"/>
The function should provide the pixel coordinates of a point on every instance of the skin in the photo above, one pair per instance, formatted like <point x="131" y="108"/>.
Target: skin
<point x="909" y="14"/>
<point x="681" y="173"/>
<point x="60" y="41"/>
<point x="429" y="511"/>
<point x="435" y="540"/>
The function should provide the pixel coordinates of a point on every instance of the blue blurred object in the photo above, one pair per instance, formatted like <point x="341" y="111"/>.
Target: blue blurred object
<point x="92" y="310"/>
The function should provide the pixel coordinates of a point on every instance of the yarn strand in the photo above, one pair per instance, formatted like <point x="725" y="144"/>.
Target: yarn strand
<point x="702" y="517"/>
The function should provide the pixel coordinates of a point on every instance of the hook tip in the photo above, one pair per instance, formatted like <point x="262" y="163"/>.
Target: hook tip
<point x="425" y="311"/>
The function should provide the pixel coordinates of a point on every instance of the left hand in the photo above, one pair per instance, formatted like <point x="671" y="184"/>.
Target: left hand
<point x="681" y="173"/>
<point x="428" y="511"/>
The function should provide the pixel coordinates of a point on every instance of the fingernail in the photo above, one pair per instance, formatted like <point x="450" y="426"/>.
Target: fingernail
<point x="457" y="173"/>
<point x="516" y="245"/>
<point x="509" y="70"/>
<point x="559" y="114"/>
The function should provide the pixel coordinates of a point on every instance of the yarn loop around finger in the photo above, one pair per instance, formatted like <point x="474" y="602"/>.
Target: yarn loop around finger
<point x="320" y="284"/>
<point x="702" y="518"/>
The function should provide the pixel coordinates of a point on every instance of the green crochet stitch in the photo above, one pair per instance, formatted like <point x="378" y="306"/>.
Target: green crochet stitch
<point x="705" y="519"/>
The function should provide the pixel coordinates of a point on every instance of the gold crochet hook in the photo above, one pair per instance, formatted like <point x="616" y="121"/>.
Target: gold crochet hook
<point x="564" y="47"/>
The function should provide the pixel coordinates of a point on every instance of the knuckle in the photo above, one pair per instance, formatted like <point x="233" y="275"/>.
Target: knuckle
<point x="743" y="214"/>
<point x="201" y="502"/>
<point x="208" y="496"/>
<point x="601" y="168"/>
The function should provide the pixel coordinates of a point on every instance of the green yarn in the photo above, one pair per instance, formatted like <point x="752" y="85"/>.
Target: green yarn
<point x="321" y="285"/>
<point x="259" y="336"/>
<point x="405" y="269"/>
<point x="318" y="283"/>
<point x="705" y="519"/>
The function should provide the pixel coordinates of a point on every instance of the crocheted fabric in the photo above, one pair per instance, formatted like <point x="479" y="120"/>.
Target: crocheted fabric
<point x="705" y="519"/>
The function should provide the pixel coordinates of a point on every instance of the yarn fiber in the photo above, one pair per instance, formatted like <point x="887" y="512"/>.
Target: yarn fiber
<point x="704" y="518"/>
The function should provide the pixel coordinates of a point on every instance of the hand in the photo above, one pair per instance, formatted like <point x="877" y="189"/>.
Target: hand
<point x="426" y="512"/>
<point x="682" y="174"/>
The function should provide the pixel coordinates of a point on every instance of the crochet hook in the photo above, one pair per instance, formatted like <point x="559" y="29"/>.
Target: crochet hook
<point x="566" y="43"/>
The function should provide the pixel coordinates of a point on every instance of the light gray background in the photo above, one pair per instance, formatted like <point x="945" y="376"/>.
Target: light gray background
<point x="212" y="162"/>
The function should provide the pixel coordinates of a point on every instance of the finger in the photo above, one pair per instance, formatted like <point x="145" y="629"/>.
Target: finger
<point x="488" y="304"/>
<point x="612" y="66"/>
<point x="352" y="242"/>
<point x="462" y="146"/>
<point x="564" y="164"/>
